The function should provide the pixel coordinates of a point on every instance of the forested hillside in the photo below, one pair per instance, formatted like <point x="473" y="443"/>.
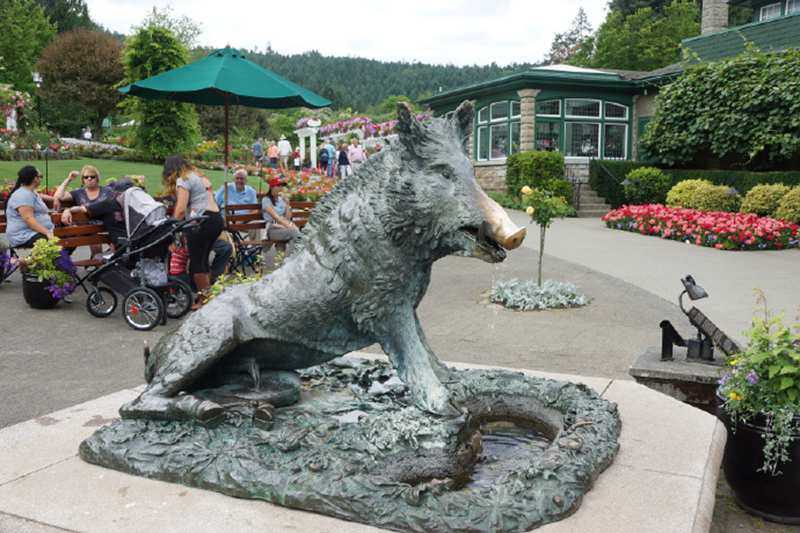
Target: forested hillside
<point x="360" y="83"/>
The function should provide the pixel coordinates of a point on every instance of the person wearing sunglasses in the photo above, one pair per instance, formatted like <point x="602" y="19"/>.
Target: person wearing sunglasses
<point x="90" y="190"/>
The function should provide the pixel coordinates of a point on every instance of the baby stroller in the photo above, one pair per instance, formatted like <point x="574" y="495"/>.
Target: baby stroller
<point x="137" y="270"/>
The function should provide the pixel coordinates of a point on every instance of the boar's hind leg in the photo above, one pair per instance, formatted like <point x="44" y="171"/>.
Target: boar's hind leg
<point x="416" y="365"/>
<point x="177" y="362"/>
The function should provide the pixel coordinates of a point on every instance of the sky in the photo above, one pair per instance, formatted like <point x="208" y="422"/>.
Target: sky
<point x="459" y="32"/>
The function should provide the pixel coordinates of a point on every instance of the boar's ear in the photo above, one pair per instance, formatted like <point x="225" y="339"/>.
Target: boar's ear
<point x="463" y="119"/>
<point x="407" y="126"/>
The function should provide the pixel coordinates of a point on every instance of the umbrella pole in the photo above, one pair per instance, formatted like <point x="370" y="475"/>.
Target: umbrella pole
<point x="227" y="147"/>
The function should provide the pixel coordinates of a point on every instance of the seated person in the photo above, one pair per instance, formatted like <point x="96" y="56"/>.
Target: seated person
<point x="107" y="209"/>
<point x="90" y="190"/>
<point x="27" y="216"/>
<point x="278" y="215"/>
<point x="239" y="192"/>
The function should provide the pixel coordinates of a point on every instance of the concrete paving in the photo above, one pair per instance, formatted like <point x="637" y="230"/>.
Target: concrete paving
<point x="55" y="358"/>
<point x="656" y="265"/>
<point x="56" y="491"/>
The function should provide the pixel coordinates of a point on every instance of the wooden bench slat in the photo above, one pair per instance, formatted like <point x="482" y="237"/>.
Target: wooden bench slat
<point x="75" y="242"/>
<point x="76" y="231"/>
<point x="246" y="227"/>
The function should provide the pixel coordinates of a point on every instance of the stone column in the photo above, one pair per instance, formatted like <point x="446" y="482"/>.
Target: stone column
<point x="527" y="119"/>
<point x="302" y="139"/>
<point x="714" y="17"/>
<point x="313" y="148"/>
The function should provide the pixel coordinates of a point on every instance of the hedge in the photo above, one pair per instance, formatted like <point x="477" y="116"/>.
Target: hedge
<point x="606" y="178"/>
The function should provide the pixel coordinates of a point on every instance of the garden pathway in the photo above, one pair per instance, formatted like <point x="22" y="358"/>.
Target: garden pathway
<point x="656" y="265"/>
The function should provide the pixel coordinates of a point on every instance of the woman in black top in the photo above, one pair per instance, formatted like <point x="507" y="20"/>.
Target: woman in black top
<point x="344" y="161"/>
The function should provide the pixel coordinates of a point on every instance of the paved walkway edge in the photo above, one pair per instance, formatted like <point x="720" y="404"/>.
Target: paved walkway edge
<point x="663" y="479"/>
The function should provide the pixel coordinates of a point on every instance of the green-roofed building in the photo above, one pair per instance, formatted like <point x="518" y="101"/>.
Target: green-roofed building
<point x="599" y="113"/>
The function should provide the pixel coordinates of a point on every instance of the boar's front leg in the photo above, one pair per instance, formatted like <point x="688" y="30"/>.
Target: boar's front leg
<point x="415" y="364"/>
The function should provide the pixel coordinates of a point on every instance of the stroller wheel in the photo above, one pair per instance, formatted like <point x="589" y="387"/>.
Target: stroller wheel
<point x="178" y="298"/>
<point x="142" y="308"/>
<point x="101" y="302"/>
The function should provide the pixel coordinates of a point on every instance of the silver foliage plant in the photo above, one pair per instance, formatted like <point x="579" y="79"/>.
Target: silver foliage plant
<point x="528" y="296"/>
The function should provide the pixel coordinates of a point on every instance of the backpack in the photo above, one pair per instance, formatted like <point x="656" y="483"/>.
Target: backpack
<point x="323" y="156"/>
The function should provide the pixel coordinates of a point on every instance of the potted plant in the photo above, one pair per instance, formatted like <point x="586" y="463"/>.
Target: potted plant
<point x="48" y="275"/>
<point x="760" y="406"/>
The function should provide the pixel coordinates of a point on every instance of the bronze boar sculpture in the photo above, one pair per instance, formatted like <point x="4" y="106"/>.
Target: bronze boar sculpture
<point x="356" y="277"/>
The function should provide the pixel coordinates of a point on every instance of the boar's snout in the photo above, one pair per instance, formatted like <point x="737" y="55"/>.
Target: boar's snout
<point x="498" y="224"/>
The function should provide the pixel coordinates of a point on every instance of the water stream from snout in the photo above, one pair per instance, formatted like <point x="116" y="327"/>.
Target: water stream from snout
<point x="504" y="445"/>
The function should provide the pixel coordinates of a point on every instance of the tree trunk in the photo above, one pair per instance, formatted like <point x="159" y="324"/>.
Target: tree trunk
<point x="542" y="229"/>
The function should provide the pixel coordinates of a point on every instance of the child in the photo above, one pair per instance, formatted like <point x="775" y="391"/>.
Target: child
<point x="296" y="159"/>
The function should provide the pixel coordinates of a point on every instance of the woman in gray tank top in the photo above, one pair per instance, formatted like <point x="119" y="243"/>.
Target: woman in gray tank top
<point x="194" y="198"/>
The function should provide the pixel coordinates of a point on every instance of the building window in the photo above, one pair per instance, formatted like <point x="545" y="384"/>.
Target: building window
<point x="770" y="11"/>
<point x="498" y="141"/>
<point x="514" y="141"/>
<point x="498" y="111"/>
<point x="616" y="111"/>
<point x="548" y="108"/>
<point x="792" y="6"/>
<point x="581" y="108"/>
<point x="548" y="136"/>
<point x="497" y="131"/>
<point x="582" y="139"/>
<point x="615" y="141"/>
<point x="483" y="143"/>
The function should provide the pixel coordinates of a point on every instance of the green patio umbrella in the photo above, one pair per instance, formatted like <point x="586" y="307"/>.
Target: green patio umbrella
<point x="226" y="77"/>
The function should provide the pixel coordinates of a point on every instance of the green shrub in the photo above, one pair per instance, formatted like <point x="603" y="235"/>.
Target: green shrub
<point x="789" y="206"/>
<point x="683" y="193"/>
<point x="646" y="185"/>
<point x="716" y="198"/>
<point x="506" y="200"/>
<point x="739" y="110"/>
<point x="606" y="177"/>
<point x="763" y="200"/>
<point x="533" y="169"/>
<point x="560" y="187"/>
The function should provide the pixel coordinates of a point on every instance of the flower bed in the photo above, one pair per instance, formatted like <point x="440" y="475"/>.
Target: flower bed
<point x="717" y="229"/>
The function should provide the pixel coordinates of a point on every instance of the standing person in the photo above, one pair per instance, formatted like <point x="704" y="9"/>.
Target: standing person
<point x="278" y="214"/>
<point x="297" y="162"/>
<point x="284" y="149"/>
<point x="356" y="154"/>
<point x="27" y="216"/>
<point x="344" y="161"/>
<point x="194" y="199"/>
<point x="272" y="154"/>
<point x="87" y="134"/>
<point x="258" y="153"/>
<point x="322" y="162"/>
<point x="331" y="158"/>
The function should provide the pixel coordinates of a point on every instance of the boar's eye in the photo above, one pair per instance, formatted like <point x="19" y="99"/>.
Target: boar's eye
<point x="445" y="170"/>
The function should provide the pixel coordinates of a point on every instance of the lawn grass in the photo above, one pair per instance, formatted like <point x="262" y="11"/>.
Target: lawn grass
<point x="59" y="169"/>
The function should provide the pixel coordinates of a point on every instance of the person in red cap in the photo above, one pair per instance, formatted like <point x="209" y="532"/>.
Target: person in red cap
<point x="278" y="214"/>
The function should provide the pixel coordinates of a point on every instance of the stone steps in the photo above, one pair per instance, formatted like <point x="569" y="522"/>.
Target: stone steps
<point x="591" y="204"/>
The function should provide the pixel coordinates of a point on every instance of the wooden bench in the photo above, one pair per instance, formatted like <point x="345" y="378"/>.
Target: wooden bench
<point x="81" y="233"/>
<point x="251" y="219"/>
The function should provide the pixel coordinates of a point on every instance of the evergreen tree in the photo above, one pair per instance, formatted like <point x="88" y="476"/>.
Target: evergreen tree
<point x="566" y="45"/>
<point x="67" y="14"/>
<point x="24" y="32"/>
<point x="163" y="127"/>
<point x="644" y="40"/>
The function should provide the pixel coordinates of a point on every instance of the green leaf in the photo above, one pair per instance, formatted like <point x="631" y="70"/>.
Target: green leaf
<point x="786" y="383"/>
<point x="774" y="370"/>
<point x="789" y="370"/>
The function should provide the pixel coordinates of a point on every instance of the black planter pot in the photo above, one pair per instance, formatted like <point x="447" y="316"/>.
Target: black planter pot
<point x="36" y="293"/>
<point x="774" y="498"/>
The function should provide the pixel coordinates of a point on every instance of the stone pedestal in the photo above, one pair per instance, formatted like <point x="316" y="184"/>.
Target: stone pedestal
<point x="45" y="487"/>
<point x="691" y="382"/>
